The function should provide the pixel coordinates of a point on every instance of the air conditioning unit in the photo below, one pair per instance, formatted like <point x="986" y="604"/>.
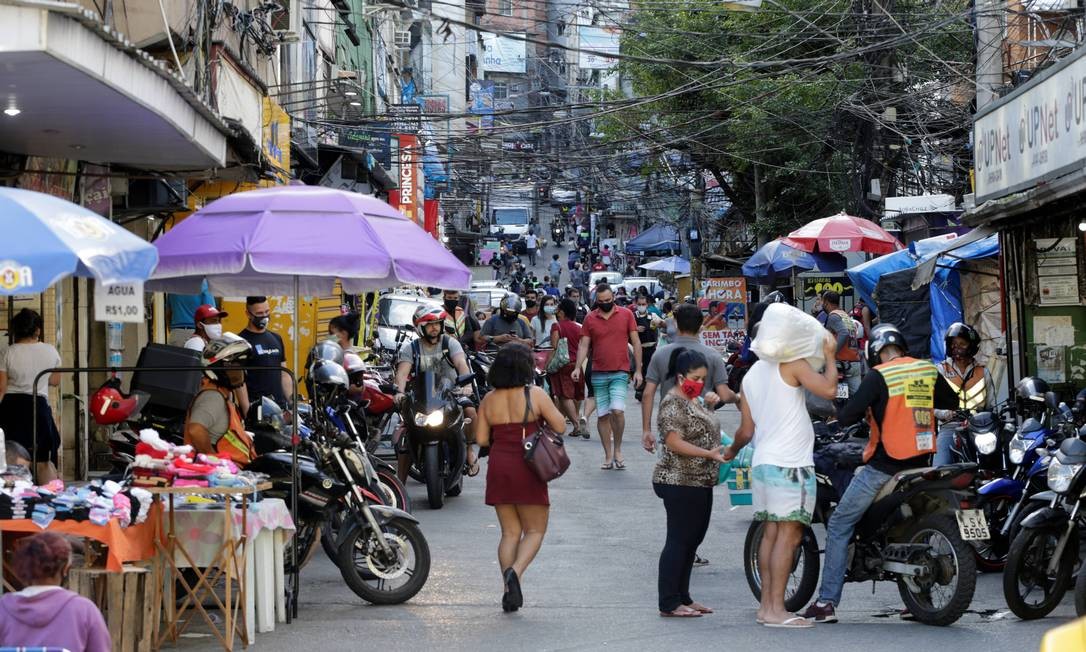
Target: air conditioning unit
<point x="402" y="38"/>
<point x="339" y="73"/>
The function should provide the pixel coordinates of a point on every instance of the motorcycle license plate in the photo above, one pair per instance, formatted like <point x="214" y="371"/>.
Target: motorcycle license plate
<point x="972" y="525"/>
<point x="842" y="390"/>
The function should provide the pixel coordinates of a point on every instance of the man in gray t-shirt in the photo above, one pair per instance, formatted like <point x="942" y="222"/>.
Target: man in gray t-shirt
<point x="210" y="411"/>
<point x="441" y="354"/>
<point x="835" y="323"/>
<point x="688" y="320"/>
<point x="432" y="356"/>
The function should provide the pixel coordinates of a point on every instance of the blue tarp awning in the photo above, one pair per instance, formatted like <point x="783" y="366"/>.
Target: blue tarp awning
<point x="656" y="238"/>
<point x="946" y="293"/>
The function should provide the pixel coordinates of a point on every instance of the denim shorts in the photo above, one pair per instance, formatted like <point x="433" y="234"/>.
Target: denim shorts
<point x="610" y="390"/>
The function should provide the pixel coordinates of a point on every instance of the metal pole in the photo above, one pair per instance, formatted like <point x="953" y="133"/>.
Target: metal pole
<point x="989" y="51"/>
<point x="292" y="601"/>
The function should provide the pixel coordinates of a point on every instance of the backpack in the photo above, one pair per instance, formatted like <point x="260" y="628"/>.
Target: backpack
<point x="416" y="353"/>
<point x="850" y="352"/>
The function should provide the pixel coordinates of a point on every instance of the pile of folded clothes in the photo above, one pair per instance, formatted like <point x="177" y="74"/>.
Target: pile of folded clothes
<point x="97" y="502"/>
<point x="159" y="463"/>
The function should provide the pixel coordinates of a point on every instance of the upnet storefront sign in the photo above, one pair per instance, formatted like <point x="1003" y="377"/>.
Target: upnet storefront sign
<point x="1034" y="134"/>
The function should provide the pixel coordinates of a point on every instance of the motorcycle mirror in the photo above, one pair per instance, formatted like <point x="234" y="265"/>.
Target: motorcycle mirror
<point x="1052" y="400"/>
<point x="465" y="379"/>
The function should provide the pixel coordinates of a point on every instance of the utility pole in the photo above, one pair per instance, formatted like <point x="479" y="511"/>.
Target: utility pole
<point x="989" y="51"/>
<point x="759" y="206"/>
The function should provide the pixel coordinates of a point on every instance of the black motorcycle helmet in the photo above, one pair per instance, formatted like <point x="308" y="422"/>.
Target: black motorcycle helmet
<point x="967" y="333"/>
<point x="882" y="336"/>
<point x="776" y="296"/>
<point x="328" y="374"/>
<point x="325" y="350"/>
<point x="1029" y="395"/>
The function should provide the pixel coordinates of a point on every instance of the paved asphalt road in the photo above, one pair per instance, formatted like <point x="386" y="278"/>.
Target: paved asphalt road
<point x="593" y="585"/>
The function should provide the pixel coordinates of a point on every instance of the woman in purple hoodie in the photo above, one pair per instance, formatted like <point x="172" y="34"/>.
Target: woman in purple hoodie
<point x="44" y="614"/>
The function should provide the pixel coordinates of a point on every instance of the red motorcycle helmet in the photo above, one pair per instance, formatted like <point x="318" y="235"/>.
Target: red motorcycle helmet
<point x="109" y="406"/>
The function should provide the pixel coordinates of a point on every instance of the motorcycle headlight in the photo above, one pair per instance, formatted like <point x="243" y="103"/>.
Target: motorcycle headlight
<point x="1061" y="475"/>
<point x="1018" y="449"/>
<point x="432" y="420"/>
<point x="985" y="442"/>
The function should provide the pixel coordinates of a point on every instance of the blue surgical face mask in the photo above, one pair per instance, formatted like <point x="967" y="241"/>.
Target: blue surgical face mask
<point x="550" y="310"/>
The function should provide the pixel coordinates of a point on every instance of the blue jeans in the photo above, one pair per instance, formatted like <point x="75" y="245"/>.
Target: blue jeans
<point x="944" y="441"/>
<point x="858" y="497"/>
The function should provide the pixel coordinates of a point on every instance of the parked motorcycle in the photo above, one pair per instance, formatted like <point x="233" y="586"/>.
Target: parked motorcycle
<point x="381" y="552"/>
<point x="433" y="418"/>
<point x="983" y="439"/>
<point x="914" y="534"/>
<point x="1045" y="552"/>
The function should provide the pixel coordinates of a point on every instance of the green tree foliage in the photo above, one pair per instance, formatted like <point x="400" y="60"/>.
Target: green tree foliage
<point x="802" y="93"/>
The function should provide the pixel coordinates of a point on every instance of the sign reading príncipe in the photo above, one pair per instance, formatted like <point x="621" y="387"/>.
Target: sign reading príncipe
<point x="1036" y="133"/>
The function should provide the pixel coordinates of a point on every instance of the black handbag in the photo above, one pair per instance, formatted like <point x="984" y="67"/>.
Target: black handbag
<point x="545" y="451"/>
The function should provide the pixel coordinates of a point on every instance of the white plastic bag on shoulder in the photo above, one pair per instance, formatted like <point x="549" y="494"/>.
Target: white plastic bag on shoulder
<point x="787" y="333"/>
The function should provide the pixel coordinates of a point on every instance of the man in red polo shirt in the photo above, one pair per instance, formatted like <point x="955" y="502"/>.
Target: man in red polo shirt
<point x="605" y="332"/>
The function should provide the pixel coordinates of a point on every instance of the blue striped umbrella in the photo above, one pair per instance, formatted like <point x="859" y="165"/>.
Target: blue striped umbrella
<point x="777" y="258"/>
<point x="46" y="238"/>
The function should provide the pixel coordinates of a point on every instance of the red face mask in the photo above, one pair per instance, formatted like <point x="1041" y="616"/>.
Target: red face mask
<point x="691" y="388"/>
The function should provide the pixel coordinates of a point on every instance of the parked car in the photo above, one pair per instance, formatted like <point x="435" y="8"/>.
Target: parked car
<point x="396" y="311"/>
<point x="631" y="283"/>
<point x="614" y="279"/>
<point x="563" y="196"/>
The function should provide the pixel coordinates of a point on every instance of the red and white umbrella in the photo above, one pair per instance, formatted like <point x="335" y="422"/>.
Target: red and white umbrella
<point x="840" y="233"/>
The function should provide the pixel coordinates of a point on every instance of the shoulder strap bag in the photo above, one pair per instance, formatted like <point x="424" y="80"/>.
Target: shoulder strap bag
<point x="545" y="451"/>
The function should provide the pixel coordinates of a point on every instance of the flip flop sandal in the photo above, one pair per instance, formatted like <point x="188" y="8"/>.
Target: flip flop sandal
<point x="680" y="614"/>
<point x="620" y="465"/>
<point x="607" y="466"/>
<point x="472" y="470"/>
<point x="701" y="608"/>
<point x="795" y="622"/>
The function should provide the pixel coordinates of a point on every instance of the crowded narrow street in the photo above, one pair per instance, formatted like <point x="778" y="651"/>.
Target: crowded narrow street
<point x="593" y="585"/>
<point x="542" y="325"/>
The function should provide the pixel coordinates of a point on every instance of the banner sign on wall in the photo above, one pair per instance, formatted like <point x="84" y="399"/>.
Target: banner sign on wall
<point x="410" y="176"/>
<point x="724" y="300"/>
<point x="503" y="54"/>
<point x="816" y="285"/>
<point x="601" y="41"/>
<point x="375" y="138"/>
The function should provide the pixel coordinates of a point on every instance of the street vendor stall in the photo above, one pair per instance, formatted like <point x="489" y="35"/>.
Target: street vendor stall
<point x="946" y="295"/>
<point x="299" y="240"/>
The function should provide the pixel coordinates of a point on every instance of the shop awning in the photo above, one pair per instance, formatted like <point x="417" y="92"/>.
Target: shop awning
<point x="82" y="91"/>
<point x="657" y="238"/>
<point x="978" y="243"/>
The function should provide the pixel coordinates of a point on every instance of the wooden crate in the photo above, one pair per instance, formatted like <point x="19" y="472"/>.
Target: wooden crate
<point x="126" y="599"/>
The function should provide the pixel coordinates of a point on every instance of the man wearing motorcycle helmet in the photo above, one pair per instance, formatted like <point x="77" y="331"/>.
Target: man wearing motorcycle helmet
<point x="459" y="322"/>
<point x="899" y="394"/>
<point x="208" y="321"/>
<point x="972" y="382"/>
<point x="441" y="354"/>
<point x="214" y="424"/>
<point x="505" y="326"/>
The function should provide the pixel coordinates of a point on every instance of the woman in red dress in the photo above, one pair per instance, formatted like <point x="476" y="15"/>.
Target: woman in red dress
<point x="519" y="497"/>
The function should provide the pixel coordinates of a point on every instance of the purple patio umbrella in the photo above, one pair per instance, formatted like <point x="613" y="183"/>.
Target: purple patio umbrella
<point x="300" y="239"/>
